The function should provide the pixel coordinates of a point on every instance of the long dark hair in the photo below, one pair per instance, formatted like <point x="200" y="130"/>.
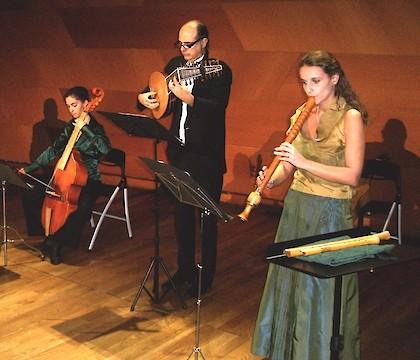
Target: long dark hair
<point x="331" y="66"/>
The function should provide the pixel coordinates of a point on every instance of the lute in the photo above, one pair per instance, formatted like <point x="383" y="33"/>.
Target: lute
<point x="185" y="75"/>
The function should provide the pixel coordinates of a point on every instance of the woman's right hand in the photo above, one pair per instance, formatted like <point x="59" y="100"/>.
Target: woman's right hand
<point x="148" y="100"/>
<point x="261" y="176"/>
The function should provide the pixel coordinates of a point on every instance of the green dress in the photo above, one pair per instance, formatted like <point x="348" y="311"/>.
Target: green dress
<point x="296" y="310"/>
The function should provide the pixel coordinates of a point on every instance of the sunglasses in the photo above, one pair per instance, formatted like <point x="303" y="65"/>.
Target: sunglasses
<point x="186" y="45"/>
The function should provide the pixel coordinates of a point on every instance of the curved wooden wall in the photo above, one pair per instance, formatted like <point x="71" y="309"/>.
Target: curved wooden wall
<point x="49" y="46"/>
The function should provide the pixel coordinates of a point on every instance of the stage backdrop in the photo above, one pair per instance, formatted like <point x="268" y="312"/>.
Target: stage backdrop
<point x="48" y="46"/>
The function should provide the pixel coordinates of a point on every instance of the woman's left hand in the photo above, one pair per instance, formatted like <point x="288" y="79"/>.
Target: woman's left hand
<point x="79" y="122"/>
<point x="287" y="152"/>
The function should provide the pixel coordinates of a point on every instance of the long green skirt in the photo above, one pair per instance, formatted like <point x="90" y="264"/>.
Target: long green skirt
<point x="296" y="310"/>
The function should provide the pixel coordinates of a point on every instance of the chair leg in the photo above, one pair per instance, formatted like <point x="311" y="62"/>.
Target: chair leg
<point x="388" y="218"/>
<point x="399" y="225"/>
<point x="101" y="219"/>
<point x="127" y="214"/>
<point x="92" y="221"/>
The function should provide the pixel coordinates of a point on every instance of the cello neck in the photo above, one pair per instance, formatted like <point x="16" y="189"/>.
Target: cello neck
<point x="98" y="95"/>
<point x="61" y="164"/>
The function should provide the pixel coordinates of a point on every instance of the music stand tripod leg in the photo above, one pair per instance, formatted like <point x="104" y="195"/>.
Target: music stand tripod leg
<point x="186" y="190"/>
<point x="5" y="240"/>
<point x="30" y="247"/>
<point x="177" y="293"/>
<point x="142" y="286"/>
<point x="156" y="261"/>
<point x="4" y="226"/>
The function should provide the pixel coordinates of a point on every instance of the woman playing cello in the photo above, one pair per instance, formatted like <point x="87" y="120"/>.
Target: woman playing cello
<point x="92" y="144"/>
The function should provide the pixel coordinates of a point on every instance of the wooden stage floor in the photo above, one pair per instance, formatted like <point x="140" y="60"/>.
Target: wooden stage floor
<point x="81" y="309"/>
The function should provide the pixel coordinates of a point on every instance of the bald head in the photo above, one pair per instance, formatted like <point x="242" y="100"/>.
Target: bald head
<point x="190" y="26"/>
<point x="196" y="27"/>
<point x="196" y="33"/>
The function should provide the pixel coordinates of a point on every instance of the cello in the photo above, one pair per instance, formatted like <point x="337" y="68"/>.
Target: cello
<point x="69" y="177"/>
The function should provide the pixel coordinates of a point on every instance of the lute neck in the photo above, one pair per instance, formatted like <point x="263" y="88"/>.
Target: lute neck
<point x="187" y="74"/>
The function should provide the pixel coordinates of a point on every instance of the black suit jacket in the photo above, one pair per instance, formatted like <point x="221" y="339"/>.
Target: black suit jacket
<point x="203" y="154"/>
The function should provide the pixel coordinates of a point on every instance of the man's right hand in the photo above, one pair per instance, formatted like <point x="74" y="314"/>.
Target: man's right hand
<point x="148" y="100"/>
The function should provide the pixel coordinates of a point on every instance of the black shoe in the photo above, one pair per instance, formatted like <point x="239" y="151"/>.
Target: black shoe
<point x="45" y="247"/>
<point x="51" y="249"/>
<point x="178" y="279"/>
<point x="55" y="257"/>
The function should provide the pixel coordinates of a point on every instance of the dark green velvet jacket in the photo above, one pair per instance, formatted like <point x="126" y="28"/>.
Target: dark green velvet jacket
<point x="93" y="145"/>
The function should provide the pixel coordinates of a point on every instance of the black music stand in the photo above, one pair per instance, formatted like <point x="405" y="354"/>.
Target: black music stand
<point x="398" y="255"/>
<point x="7" y="175"/>
<point x="143" y="126"/>
<point x="188" y="191"/>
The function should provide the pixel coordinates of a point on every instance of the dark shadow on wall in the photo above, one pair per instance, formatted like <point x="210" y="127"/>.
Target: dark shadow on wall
<point x="240" y="175"/>
<point x="392" y="147"/>
<point x="45" y="131"/>
<point x="245" y="170"/>
<point x="264" y="156"/>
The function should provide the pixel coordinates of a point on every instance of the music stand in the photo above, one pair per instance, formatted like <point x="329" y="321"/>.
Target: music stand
<point x="7" y="175"/>
<point x="143" y="126"/>
<point x="188" y="191"/>
<point x="400" y="254"/>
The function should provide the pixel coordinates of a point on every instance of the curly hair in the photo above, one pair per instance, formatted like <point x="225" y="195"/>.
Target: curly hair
<point x="331" y="66"/>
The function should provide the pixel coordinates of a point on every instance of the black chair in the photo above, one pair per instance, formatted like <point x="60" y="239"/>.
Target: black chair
<point x="115" y="158"/>
<point x="377" y="172"/>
